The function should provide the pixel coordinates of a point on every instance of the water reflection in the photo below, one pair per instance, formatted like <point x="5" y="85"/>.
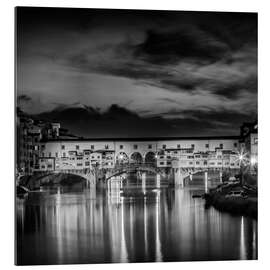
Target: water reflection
<point x="82" y="225"/>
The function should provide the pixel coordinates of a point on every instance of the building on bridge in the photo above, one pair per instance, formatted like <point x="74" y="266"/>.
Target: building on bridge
<point x="193" y="152"/>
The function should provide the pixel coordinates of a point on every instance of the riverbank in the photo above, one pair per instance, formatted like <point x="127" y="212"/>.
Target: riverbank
<point x="237" y="205"/>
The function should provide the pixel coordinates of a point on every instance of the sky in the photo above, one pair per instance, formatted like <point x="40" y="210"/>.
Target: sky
<point x="125" y="73"/>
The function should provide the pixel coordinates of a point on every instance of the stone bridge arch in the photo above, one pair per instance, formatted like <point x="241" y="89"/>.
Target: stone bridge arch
<point x="150" y="157"/>
<point x="121" y="158"/>
<point x="136" y="158"/>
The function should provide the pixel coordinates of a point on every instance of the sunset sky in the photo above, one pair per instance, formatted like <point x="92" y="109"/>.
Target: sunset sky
<point x="141" y="73"/>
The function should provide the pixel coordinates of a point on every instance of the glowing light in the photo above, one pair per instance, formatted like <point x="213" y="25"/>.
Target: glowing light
<point x="121" y="156"/>
<point x="253" y="161"/>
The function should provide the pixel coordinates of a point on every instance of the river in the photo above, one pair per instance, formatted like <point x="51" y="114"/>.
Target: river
<point x="79" y="224"/>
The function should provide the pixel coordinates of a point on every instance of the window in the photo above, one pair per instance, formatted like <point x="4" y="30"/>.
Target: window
<point x="92" y="147"/>
<point x="62" y="147"/>
<point x="192" y="146"/>
<point x="149" y="146"/>
<point x="43" y="155"/>
<point x="235" y="144"/>
<point x="207" y="145"/>
<point x="197" y="162"/>
<point x="42" y="146"/>
<point x="232" y="164"/>
<point x="135" y="146"/>
<point x="79" y="158"/>
<point x="161" y="163"/>
<point x="175" y="152"/>
<point x="219" y="163"/>
<point x="190" y="163"/>
<point x="49" y="166"/>
<point x="205" y="162"/>
<point x="164" y="146"/>
<point x="169" y="163"/>
<point x="87" y="163"/>
<point x="56" y="154"/>
<point x="50" y="154"/>
<point x="255" y="140"/>
<point x="106" y="146"/>
<point x="79" y="164"/>
<point x="64" y="154"/>
<point x="121" y="146"/>
<point x="161" y="157"/>
<point x="178" y="146"/>
<point x="168" y="157"/>
<point x="43" y="166"/>
<point x="77" y="147"/>
<point x="221" y="146"/>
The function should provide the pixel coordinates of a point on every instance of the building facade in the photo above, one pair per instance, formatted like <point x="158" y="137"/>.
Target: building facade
<point x="215" y="152"/>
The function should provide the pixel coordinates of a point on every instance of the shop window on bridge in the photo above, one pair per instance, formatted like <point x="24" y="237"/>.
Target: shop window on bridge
<point x="106" y="146"/>
<point x="62" y="147"/>
<point x="149" y="146"/>
<point x="64" y="154"/>
<point x="135" y="146"/>
<point x="92" y="147"/>
<point x="43" y="154"/>
<point x="56" y="154"/>
<point x="50" y="154"/>
<point x="192" y="146"/>
<point x="235" y="144"/>
<point x="121" y="146"/>
<point x="178" y="146"/>
<point x="77" y="147"/>
<point x="164" y="146"/>
<point x="221" y="146"/>
<point x="207" y="145"/>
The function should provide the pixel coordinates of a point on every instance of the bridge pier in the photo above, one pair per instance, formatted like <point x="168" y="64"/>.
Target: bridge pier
<point x="206" y="181"/>
<point x="220" y="176"/>
<point x="178" y="178"/>
<point x="158" y="180"/>
<point x="143" y="181"/>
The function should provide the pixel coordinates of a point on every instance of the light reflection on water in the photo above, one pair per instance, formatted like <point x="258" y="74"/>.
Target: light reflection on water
<point x="79" y="225"/>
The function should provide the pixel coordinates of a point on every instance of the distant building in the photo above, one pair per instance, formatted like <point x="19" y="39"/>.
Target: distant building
<point x="249" y="141"/>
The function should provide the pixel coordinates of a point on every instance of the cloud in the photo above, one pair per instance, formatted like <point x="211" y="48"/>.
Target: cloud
<point x="24" y="98"/>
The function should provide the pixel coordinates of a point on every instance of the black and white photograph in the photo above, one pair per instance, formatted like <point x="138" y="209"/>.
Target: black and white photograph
<point x="136" y="136"/>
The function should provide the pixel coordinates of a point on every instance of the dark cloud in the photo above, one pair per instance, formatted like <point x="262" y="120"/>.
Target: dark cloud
<point x="24" y="98"/>
<point x="187" y="43"/>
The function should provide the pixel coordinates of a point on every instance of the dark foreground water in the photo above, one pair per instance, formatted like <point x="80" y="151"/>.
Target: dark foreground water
<point x="82" y="225"/>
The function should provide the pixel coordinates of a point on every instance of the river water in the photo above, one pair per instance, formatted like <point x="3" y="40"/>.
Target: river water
<point x="79" y="224"/>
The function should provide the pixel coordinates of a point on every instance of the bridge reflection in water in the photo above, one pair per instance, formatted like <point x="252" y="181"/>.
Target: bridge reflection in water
<point x="78" y="225"/>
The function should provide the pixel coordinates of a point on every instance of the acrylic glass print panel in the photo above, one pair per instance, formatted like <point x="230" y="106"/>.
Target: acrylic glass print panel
<point x="136" y="136"/>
